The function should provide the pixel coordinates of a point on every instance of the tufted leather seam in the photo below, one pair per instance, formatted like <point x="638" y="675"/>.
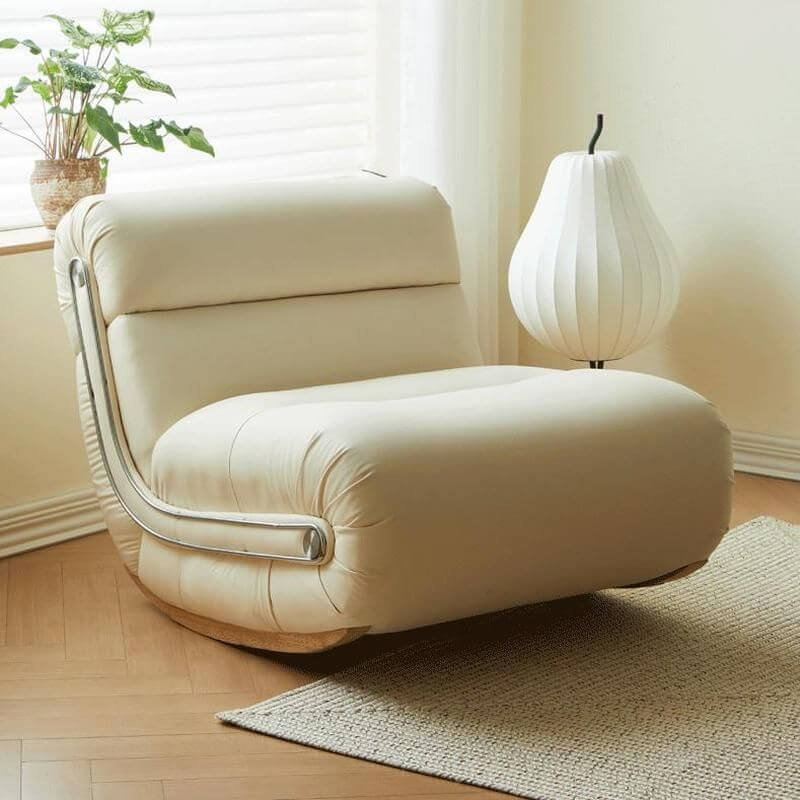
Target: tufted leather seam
<point x="299" y="486"/>
<point x="351" y="527"/>
<point x="322" y="584"/>
<point x="322" y="481"/>
<point x="351" y="570"/>
<point x="230" y="454"/>
<point x="289" y="297"/>
<point x="270" y="604"/>
<point x="340" y="495"/>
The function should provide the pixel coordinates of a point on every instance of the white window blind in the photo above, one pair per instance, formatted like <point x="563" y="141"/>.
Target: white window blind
<point x="281" y="88"/>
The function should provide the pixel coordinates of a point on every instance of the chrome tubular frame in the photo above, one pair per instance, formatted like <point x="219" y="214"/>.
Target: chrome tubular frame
<point x="313" y="546"/>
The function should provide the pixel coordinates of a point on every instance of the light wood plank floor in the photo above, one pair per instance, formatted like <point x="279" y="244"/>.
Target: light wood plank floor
<point x="101" y="696"/>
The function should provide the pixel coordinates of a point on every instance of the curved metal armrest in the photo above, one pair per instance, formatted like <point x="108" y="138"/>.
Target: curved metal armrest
<point x="281" y="537"/>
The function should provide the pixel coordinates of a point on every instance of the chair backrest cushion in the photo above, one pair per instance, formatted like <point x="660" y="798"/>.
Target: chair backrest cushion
<point x="212" y="293"/>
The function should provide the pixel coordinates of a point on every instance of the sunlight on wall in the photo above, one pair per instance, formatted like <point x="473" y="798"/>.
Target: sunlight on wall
<point x="41" y="449"/>
<point x="705" y="98"/>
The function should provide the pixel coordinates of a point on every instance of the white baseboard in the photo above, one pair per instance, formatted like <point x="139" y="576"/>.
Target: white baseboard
<point x="54" y="519"/>
<point x="759" y="453"/>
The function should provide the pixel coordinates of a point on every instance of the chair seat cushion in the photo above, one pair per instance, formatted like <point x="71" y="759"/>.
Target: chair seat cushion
<point x="463" y="491"/>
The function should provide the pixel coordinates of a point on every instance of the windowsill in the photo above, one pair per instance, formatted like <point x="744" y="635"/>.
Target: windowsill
<point x="25" y="240"/>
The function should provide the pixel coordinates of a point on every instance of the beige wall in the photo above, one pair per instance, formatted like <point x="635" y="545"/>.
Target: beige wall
<point x="41" y="450"/>
<point x="704" y="95"/>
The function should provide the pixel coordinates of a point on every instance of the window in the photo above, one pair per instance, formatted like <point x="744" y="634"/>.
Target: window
<point x="282" y="89"/>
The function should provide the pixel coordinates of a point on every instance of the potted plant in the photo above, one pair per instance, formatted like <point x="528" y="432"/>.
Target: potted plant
<point x="81" y="87"/>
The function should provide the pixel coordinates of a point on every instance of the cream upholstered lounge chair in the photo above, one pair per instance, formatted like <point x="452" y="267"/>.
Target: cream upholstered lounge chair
<point x="294" y="440"/>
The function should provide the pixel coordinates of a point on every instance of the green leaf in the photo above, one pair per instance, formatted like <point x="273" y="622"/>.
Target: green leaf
<point x="10" y="44"/>
<point x="89" y="136"/>
<point x="63" y="55"/>
<point x="192" y="137"/>
<point x="118" y="98"/>
<point x="32" y="46"/>
<point x="40" y="87"/>
<point x="143" y="80"/>
<point x="147" y="135"/>
<point x="104" y="167"/>
<point x="98" y="119"/>
<point x="77" y="34"/>
<point x="121" y="75"/>
<point x="9" y="97"/>
<point x="62" y="112"/>
<point x="49" y="67"/>
<point x="126" y="27"/>
<point x="79" y="77"/>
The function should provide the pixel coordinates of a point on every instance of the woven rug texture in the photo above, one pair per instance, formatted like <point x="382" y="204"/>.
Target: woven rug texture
<point x="685" y="691"/>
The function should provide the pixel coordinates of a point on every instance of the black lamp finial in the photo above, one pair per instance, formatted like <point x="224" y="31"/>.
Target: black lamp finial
<point x="597" y="132"/>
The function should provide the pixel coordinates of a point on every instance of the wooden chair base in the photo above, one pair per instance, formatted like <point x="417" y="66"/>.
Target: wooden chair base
<point x="261" y="640"/>
<point x="282" y="642"/>
<point x="675" y="575"/>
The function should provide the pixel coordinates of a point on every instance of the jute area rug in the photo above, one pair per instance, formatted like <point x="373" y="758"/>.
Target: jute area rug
<point x="682" y="691"/>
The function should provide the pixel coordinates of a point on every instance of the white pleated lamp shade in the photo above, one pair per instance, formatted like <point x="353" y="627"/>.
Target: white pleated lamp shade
<point x="594" y="275"/>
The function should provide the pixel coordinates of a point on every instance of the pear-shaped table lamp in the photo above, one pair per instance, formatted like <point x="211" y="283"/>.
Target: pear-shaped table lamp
<point x="593" y="275"/>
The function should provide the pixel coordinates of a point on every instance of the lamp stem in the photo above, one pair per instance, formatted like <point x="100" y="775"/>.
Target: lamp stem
<point x="596" y="364"/>
<point x="598" y="130"/>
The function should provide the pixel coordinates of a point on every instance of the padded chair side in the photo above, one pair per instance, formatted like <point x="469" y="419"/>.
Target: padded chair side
<point x="125" y="533"/>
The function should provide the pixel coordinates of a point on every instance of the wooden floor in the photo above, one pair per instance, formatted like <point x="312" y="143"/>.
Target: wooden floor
<point x="101" y="696"/>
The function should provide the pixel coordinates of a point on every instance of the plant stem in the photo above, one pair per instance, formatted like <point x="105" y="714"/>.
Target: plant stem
<point x="50" y="119"/>
<point x="30" y="127"/>
<point x="69" y="123"/>
<point x="77" y="133"/>
<point x="19" y="135"/>
<point x="46" y="125"/>
<point x="99" y="153"/>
